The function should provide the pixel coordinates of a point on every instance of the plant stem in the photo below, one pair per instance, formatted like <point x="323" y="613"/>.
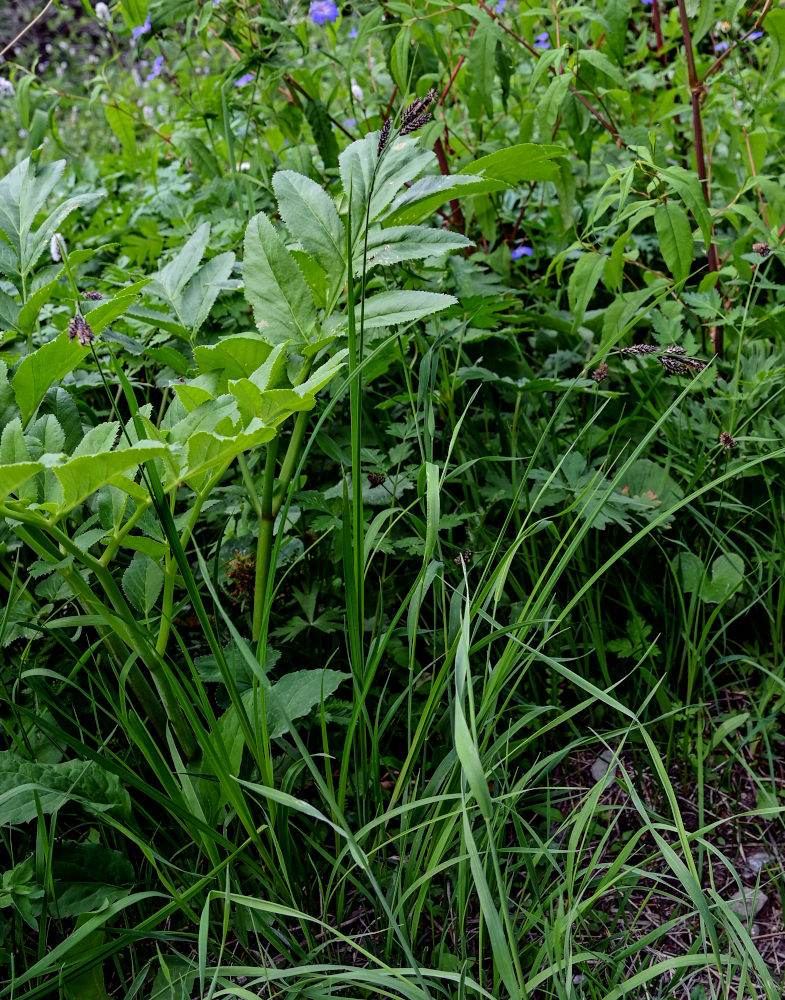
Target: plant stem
<point x="697" y="93"/>
<point x="264" y="543"/>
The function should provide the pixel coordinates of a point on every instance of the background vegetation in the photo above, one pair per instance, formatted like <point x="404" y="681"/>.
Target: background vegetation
<point x="391" y="516"/>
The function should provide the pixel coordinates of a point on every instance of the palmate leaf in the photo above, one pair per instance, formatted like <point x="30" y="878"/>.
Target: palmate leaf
<point x="274" y="285"/>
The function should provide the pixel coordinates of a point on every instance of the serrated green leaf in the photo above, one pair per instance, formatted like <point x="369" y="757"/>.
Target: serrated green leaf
<point x="143" y="581"/>
<point x="313" y="220"/>
<point x="80" y="477"/>
<point x="274" y="286"/>
<point x="396" y="306"/>
<point x="397" y="243"/>
<point x="37" y="371"/>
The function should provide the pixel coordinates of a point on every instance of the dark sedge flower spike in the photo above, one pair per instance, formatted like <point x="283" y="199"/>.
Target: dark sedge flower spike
<point x="384" y="135"/>
<point x="640" y="349"/>
<point x="376" y="479"/>
<point x="601" y="373"/>
<point x="761" y="249"/>
<point x="79" y="329"/>
<point x="92" y="294"/>
<point x="727" y="441"/>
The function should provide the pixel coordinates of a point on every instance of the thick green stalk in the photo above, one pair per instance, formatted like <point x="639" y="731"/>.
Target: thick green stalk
<point x="264" y="542"/>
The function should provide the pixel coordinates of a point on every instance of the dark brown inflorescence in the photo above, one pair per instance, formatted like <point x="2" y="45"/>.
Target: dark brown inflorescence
<point x="727" y="441"/>
<point x="640" y="349"/>
<point x="79" y="328"/>
<point x="384" y="135"/>
<point x="463" y="558"/>
<point x="413" y="117"/>
<point x="92" y="294"/>
<point x="761" y="249"/>
<point x="376" y="479"/>
<point x="600" y="373"/>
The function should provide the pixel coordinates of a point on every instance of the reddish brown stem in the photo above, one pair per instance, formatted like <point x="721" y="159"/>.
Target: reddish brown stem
<point x="697" y="93"/>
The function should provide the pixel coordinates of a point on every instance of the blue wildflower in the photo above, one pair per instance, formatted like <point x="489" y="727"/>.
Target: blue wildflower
<point x="323" y="10"/>
<point x="350" y="122"/>
<point x="755" y="35"/>
<point x="542" y="41"/>
<point x="500" y="6"/>
<point x="722" y="46"/>
<point x="142" y="29"/>
<point x="353" y="33"/>
<point x="244" y="80"/>
<point x="158" y="63"/>
<point x="646" y="3"/>
<point x="521" y="251"/>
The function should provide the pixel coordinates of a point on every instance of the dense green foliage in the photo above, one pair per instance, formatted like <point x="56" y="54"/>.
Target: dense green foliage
<point x="392" y="491"/>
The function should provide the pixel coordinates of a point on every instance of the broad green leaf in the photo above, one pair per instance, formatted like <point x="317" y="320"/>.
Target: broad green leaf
<point x="37" y="371"/>
<point x="295" y="694"/>
<point x="272" y="406"/>
<point x="13" y="477"/>
<point x="28" y="314"/>
<point x="203" y="160"/>
<point x="675" y="235"/>
<point x="687" y="185"/>
<point x="482" y="59"/>
<point x="399" y="58"/>
<point x="143" y="581"/>
<point x="61" y="405"/>
<point x="22" y="782"/>
<point x="395" y="307"/>
<point x="103" y="313"/>
<point x="13" y="447"/>
<point x="9" y="312"/>
<point x="87" y="875"/>
<point x="98" y="439"/>
<point x="171" y="279"/>
<point x="213" y="415"/>
<point x="617" y="14"/>
<point x="727" y="576"/>
<point x="550" y="103"/>
<point x="313" y="221"/>
<point x="290" y="698"/>
<point x="235" y="357"/>
<point x="775" y="29"/>
<point x="208" y="452"/>
<point x="322" y="128"/>
<point x="583" y="280"/>
<point x="23" y="192"/>
<point x="282" y="303"/>
<point x="397" y="243"/>
<point x="121" y="122"/>
<point x="82" y="476"/>
<point x="528" y="161"/>
<point x="202" y="290"/>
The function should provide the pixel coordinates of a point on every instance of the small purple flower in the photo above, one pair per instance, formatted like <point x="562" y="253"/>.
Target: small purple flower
<point x="244" y="80"/>
<point x="646" y="3"/>
<point x="353" y="33"/>
<point x="722" y="46"/>
<point x="323" y="10"/>
<point x="350" y="122"/>
<point x="142" y="29"/>
<point x="499" y="8"/>
<point x="521" y="251"/>
<point x="755" y="35"/>
<point x="158" y="63"/>
<point x="542" y="41"/>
